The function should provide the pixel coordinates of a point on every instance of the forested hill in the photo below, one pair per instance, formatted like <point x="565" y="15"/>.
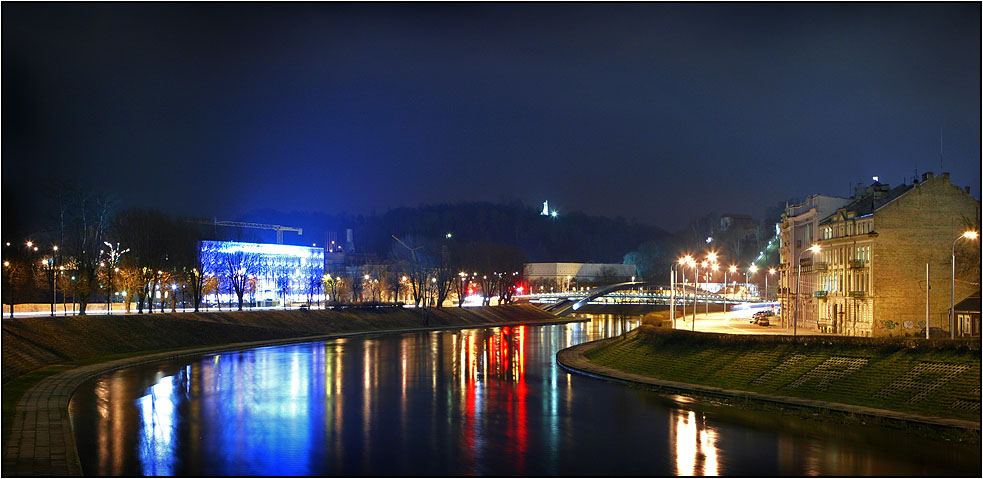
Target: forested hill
<point x="573" y="237"/>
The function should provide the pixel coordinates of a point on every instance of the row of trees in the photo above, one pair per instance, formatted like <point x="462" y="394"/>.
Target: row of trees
<point x="137" y="255"/>
<point x="429" y="271"/>
<point x="146" y="257"/>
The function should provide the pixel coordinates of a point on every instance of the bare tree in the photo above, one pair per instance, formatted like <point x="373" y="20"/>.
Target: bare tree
<point x="238" y="266"/>
<point x="149" y="234"/>
<point x="16" y="272"/>
<point x="86" y="233"/>
<point x="412" y="258"/>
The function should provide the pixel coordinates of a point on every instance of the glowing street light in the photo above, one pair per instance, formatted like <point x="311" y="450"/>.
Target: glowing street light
<point x="970" y="235"/>
<point x="751" y="269"/>
<point x="771" y="272"/>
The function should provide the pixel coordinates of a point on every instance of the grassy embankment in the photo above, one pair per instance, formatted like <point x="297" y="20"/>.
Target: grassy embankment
<point x="937" y="378"/>
<point x="35" y="348"/>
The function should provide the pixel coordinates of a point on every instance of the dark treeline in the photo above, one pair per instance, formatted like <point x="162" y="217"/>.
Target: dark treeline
<point x="104" y="248"/>
<point x="570" y="237"/>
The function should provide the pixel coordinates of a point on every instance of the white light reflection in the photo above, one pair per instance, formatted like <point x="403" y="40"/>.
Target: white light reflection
<point x="157" y="434"/>
<point x="695" y="445"/>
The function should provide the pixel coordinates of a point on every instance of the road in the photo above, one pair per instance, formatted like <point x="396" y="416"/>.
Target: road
<point x="732" y="322"/>
<point x="118" y="309"/>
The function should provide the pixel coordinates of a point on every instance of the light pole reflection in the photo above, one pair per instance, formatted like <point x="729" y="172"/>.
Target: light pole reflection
<point x="694" y="444"/>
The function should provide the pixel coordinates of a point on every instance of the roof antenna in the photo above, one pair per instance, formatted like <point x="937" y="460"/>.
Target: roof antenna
<point x="940" y="149"/>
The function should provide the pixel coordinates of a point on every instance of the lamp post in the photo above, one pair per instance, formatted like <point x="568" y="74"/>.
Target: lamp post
<point x="672" y="295"/>
<point x="752" y="269"/>
<point x="696" y="288"/>
<point x="771" y="272"/>
<point x="798" y="275"/>
<point x="682" y="275"/>
<point x="112" y="259"/>
<point x="971" y="235"/>
<point x="714" y="266"/>
<point x="706" y="280"/>
<point x="731" y="269"/>
<point x="709" y="266"/>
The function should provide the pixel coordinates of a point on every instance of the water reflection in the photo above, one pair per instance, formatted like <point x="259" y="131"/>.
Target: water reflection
<point x="694" y="444"/>
<point x="486" y="401"/>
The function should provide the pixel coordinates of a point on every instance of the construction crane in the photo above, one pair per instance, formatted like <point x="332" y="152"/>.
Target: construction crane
<point x="278" y="228"/>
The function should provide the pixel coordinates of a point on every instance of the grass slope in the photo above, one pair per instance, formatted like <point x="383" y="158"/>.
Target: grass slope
<point x="33" y="343"/>
<point x="941" y="380"/>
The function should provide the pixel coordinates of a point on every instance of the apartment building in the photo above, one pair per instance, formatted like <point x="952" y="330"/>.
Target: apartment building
<point x="797" y="232"/>
<point x="870" y="271"/>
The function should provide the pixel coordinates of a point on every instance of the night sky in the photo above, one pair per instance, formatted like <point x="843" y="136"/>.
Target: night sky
<point x="662" y="112"/>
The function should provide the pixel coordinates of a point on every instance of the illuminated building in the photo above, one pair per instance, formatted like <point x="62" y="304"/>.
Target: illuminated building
<point x="868" y="278"/>
<point x="874" y="251"/>
<point x="563" y="275"/>
<point x="275" y="272"/>
<point x="797" y="231"/>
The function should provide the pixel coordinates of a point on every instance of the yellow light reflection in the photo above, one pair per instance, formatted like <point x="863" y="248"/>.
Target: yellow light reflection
<point x="694" y="444"/>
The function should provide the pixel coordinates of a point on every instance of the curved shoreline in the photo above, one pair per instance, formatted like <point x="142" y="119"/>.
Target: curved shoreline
<point x="42" y="441"/>
<point x="572" y="359"/>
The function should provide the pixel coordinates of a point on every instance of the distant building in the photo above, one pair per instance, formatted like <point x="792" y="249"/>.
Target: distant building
<point x="797" y="231"/>
<point x="871" y="267"/>
<point x="275" y="272"/>
<point x="561" y="276"/>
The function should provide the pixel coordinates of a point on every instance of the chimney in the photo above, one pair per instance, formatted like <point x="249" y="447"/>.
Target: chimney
<point x="927" y="176"/>
<point x="967" y="190"/>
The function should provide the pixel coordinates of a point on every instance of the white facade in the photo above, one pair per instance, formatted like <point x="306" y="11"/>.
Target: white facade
<point x="799" y="229"/>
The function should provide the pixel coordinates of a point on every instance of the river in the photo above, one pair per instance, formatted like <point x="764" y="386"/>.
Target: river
<point x="486" y="401"/>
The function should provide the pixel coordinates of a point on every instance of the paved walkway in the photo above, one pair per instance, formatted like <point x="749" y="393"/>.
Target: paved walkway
<point x="42" y="442"/>
<point x="573" y="360"/>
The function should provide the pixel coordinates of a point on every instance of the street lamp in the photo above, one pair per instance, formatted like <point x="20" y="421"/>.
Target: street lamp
<point x="771" y="272"/>
<point x="682" y="283"/>
<point x="714" y="266"/>
<point x="970" y="235"/>
<point x="752" y="269"/>
<point x="696" y="288"/>
<point x="795" y="322"/>
<point x="732" y="269"/>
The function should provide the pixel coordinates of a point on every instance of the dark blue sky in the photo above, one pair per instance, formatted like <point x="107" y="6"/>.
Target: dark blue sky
<point x="657" y="111"/>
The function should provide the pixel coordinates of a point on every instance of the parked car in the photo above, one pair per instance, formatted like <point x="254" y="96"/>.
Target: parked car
<point x="761" y="317"/>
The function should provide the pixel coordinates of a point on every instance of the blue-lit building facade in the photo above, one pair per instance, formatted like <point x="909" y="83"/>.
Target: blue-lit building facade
<point x="276" y="273"/>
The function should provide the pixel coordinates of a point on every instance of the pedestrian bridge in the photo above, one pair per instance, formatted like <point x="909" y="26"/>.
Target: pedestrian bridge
<point x="633" y="292"/>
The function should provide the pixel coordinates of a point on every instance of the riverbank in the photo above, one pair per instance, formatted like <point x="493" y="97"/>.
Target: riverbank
<point x="33" y="343"/>
<point x="934" y="383"/>
<point x="37" y="434"/>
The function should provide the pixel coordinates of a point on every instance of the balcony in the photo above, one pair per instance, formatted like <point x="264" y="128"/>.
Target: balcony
<point x="857" y="264"/>
<point x="821" y="294"/>
<point x="858" y="294"/>
<point x="822" y="266"/>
